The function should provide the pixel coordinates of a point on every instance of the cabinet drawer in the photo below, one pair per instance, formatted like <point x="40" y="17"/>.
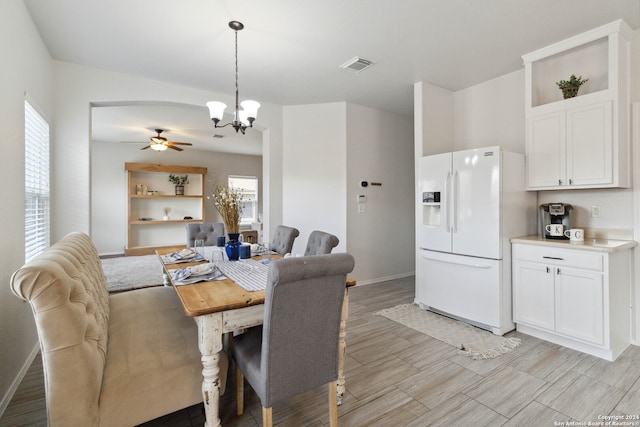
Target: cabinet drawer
<point x="560" y="257"/>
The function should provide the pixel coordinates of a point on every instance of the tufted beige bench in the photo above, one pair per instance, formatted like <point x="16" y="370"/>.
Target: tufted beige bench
<point x="109" y="360"/>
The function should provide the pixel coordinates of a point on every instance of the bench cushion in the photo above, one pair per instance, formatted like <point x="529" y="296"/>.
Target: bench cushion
<point x="153" y="362"/>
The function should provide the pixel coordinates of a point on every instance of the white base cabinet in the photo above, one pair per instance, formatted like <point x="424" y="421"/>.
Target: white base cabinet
<point x="576" y="298"/>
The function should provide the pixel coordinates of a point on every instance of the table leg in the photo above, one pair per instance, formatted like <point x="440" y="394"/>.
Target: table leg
<point x="342" y="346"/>
<point x="210" y="344"/>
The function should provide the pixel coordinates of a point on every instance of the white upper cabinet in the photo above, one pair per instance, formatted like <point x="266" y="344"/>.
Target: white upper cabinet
<point x="580" y="142"/>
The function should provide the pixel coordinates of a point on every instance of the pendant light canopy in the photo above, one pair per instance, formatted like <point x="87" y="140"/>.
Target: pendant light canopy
<point x="246" y="111"/>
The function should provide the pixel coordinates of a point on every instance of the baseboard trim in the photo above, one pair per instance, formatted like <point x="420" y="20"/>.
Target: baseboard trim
<point x="385" y="279"/>
<point x="6" y="399"/>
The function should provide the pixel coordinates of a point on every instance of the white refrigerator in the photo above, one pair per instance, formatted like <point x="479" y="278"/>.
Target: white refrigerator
<point x="470" y="203"/>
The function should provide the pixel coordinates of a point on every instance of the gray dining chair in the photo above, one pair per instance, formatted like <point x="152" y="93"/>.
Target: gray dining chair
<point x="208" y="231"/>
<point x="320" y="243"/>
<point x="283" y="238"/>
<point x="296" y="348"/>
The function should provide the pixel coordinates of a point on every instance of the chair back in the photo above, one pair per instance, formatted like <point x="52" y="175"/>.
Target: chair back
<point x="283" y="238"/>
<point x="303" y="308"/>
<point x="208" y="231"/>
<point x="67" y="290"/>
<point x="320" y="243"/>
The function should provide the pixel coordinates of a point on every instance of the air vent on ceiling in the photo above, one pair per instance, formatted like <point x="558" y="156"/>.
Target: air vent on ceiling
<point x="356" y="64"/>
<point x="217" y="135"/>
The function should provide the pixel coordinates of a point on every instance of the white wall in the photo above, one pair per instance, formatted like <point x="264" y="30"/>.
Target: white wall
<point x="491" y="113"/>
<point x="433" y="120"/>
<point x="26" y="68"/>
<point x="328" y="150"/>
<point x="109" y="185"/>
<point x="380" y="149"/>
<point x="315" y="171"/>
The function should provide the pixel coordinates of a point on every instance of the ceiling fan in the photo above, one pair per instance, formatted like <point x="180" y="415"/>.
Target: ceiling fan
<point x="160" y="143"/>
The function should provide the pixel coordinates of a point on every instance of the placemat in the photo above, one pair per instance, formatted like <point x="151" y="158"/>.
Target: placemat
<point x="249" y="274"/>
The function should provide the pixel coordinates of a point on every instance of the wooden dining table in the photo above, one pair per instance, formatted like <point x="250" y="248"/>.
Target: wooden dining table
<point x="222" y="306"/>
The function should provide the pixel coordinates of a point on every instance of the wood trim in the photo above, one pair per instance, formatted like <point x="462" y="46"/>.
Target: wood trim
<point x="150" y="167"/>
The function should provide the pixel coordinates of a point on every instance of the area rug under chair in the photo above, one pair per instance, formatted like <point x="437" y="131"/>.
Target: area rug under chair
<point x="132" y="272"/>
<point x="469" y="340"/>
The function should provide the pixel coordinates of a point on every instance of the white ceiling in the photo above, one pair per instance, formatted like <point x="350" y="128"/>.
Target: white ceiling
<point x="135" y="123"/>
<point x="290" y="50"/>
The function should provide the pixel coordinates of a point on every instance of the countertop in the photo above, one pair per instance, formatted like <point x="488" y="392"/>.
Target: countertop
<point x="589" y="244"/>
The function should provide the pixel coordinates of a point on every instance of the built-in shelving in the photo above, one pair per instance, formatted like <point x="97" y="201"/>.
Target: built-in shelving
<point x="580" y="142"/>
<point x="150" y="195"/>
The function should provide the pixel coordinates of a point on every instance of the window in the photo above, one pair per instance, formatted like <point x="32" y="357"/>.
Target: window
<point x="36" y="179"/>
<point x="248" y="186"/>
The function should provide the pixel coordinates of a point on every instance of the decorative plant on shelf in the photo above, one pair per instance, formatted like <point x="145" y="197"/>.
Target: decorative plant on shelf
<point x="179" y="181"/>
<point x="570" y="87"/>
<point x="228" y="201"/>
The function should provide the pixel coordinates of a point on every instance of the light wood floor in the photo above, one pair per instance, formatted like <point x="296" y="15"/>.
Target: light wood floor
<point x="399" y="377"/>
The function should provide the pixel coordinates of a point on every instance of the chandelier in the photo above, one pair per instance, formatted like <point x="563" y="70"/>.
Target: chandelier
<point x="244" y="117"/>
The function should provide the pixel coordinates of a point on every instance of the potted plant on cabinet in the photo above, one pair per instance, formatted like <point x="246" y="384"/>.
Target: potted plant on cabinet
<point x="570" y="87"/>
<point x="179" y="181"/>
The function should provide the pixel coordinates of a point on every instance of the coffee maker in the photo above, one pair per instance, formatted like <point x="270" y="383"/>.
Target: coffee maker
<point x="555" y="213"/>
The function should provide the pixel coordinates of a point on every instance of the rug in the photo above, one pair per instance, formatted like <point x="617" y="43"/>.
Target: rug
<point x="132" y="272"/>
<point x="469" y="340"/>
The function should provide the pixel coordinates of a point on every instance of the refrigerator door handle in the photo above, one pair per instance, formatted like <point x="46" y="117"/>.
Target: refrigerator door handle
<point x="447" y="225"/>
<point x="454" y="203"/>
<point x="474" y="264"/>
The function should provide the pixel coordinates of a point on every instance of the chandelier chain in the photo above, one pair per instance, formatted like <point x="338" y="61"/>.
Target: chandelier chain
<point x="237" y="88"/>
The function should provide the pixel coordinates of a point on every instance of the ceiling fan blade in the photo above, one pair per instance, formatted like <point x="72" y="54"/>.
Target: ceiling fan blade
<point x="144" y="148"/>
<point x="179" y="143"/>
<point x="174" y="148"/>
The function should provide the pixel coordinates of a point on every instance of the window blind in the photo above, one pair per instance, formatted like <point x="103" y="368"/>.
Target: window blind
<point x="36" y="178"/>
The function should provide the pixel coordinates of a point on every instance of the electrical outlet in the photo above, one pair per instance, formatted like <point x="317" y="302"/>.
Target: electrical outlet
<point x="361" y="208"/>
<point x="595" y="211"/>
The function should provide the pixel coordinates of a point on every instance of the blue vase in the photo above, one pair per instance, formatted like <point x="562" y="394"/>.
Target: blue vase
<point x="233" y="247"/>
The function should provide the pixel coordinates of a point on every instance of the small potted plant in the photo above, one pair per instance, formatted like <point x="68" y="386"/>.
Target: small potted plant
<point x="570" y="87"/>
<point x="179" y="181"/>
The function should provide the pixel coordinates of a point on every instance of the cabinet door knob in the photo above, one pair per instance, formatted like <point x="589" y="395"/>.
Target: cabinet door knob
<point x="559" y="182"/>
<point x="547" y="269"/>
<point x="570" y="181"/>
<point x="558" y="271"/>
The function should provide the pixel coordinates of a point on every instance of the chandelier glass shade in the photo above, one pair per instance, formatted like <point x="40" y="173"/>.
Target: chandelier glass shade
<point x="246" y="111"/>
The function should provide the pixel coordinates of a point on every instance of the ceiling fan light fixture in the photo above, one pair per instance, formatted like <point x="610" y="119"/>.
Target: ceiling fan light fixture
<point x="242" y="118"/>
<point x="160" y="143"/>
